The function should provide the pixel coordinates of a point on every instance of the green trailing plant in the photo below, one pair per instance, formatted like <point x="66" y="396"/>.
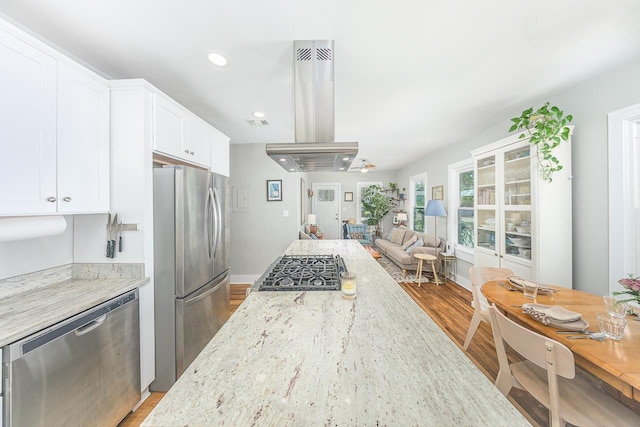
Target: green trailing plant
<point x="376" y="204"/>
<point x="546" y="128"/>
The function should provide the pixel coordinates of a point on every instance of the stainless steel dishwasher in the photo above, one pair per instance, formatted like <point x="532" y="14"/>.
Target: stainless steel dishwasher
<point x="83" y="371"/>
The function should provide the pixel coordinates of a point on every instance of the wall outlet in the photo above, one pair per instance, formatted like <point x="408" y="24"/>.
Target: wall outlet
<point x="285" y="214"/>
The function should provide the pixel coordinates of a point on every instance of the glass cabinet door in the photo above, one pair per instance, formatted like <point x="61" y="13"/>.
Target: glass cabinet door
<point x="517" y="202"/>
<point x="486" y="202"/>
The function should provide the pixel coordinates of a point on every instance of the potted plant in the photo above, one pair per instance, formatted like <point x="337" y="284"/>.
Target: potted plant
<point x="546" y="128"/>
<point x="376" y="205"/>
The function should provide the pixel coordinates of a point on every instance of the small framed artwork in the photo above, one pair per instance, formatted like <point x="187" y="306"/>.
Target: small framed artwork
<point x="348" y="196"/>
<point x="274" y="190"/>
<point x="437" y="192"/>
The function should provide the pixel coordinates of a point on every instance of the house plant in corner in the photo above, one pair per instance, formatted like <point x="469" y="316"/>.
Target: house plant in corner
<point x="546" y="128"/>
<point x="376" y="204"/>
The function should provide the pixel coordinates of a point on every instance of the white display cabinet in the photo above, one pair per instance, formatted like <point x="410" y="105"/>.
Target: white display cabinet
<point x="522" y="222"/>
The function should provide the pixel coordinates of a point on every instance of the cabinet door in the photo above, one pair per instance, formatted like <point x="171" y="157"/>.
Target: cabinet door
<point x="27" y="128"/>
<point x="170" y="125"/>
<point x="83" y="143"/>
<point x="487" y="240"/>
<point x="199" y="138"/>
<point x="220" y="153"/>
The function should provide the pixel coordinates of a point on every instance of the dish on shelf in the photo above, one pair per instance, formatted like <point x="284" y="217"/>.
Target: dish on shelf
<point x="519" y="242"/>
<point x="523" y="229"/>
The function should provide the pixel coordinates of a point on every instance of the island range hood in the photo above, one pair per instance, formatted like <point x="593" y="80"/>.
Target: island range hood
<point x="315" y="149"/>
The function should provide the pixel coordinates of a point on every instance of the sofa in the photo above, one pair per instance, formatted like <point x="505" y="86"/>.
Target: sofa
<point x="391" y="245"/>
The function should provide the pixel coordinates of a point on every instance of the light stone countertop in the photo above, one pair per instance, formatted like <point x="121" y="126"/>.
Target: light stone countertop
<point x="36" y="301"/>
<point x="314" y="358"/>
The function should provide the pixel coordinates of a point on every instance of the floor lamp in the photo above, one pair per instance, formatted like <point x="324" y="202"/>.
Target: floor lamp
<point x="435" y="208"/>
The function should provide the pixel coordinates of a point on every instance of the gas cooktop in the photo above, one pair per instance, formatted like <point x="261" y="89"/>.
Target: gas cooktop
<point x="303" y="273"/>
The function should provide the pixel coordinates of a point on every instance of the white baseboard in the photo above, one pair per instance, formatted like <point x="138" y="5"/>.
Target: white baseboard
<point x="465" y="283"/>
<point x="244" y="278"/>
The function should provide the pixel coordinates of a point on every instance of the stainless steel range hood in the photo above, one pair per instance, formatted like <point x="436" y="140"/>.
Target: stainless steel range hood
<point x="314" y="149"/>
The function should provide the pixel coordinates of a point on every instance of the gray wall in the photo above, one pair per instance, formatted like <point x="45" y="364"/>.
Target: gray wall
<point x="589" y="102"/>
<point x="259" y="236"/>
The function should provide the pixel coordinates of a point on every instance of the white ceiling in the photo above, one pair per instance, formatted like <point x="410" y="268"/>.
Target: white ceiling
<point x="411" y="75"/>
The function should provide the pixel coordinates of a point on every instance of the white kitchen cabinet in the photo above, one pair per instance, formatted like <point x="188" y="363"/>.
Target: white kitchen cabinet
<point x="220" y="153"/>
<point x="28" y="108"/>
<point x="523" y="222"/>
<point x="54" y="128"/>
<point x="83" y="143"/>
<point x="179" y="133"/>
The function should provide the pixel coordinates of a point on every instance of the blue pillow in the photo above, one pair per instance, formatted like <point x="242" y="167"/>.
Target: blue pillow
<point x="313" y="237"/>
<point x="418" y="242"/>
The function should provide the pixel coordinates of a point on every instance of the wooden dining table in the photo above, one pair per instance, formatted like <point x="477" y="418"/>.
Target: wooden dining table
<point x="615" y="363"/>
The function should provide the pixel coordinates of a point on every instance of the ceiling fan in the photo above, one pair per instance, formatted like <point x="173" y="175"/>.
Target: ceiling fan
<point x="365" y="167"/>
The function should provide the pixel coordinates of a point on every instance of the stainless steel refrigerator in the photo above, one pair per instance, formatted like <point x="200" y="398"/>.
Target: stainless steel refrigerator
<point x="191" y="266"/>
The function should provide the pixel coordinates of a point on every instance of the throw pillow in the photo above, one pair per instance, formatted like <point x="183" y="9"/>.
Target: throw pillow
<point x="410" y="242"/>
<point x="313" y="237"/>
<point x="417" y="244"/>
<point x="357" y="235"/>
<point x="397" y="236"/>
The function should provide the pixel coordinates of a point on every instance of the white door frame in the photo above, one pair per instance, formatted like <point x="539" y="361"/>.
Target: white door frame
<point x="339" y="199"/>
<point x="624" y="194"/>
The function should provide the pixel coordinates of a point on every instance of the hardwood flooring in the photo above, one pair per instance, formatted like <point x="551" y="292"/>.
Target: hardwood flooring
<point x="449" y="305"/>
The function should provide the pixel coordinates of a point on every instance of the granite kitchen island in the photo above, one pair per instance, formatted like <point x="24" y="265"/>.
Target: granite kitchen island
<point x="314" y="358"/>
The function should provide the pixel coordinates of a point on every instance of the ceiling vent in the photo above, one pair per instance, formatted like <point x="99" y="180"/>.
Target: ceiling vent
<point x="259" y="122"/>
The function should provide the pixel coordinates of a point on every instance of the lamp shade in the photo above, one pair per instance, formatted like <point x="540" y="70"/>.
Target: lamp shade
<point x="311" y="219"/>
<point x="435" y="208"/>
<point x="402" y="216"/>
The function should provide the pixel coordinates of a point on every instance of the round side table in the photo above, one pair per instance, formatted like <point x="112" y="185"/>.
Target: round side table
<point x="426" y="257"/>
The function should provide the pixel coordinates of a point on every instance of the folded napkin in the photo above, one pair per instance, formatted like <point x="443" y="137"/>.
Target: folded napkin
<point x="519" y="282"/>
<point x="546" y="314"/>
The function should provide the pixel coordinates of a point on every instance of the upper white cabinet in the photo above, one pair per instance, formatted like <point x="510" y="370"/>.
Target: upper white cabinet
<point x="54" y="131"/>
<point x="522" y="222"/>
<point x="83" y="143"/>
<point x="179" y="133"/>
<point x="220" y="153"/>
<point x="28" y="109"/>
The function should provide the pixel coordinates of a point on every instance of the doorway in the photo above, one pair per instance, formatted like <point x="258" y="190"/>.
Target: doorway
<point x="326" y="206"/>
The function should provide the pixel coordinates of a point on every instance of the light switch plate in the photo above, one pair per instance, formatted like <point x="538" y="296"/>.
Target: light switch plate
<point x="285" y="214"/>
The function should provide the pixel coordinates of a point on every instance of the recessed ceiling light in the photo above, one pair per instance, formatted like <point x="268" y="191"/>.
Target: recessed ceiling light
<point x="283" y="160"/>
<point x="218" y="59"/>
<point x="346" y="159"/>
<point x="258" y="114"/>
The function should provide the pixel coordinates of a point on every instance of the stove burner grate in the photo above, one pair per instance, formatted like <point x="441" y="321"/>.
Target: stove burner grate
<point x="304" y="273"/>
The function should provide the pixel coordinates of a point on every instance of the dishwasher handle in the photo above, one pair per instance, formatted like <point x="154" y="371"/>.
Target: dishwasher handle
<point x="85" y="329"/>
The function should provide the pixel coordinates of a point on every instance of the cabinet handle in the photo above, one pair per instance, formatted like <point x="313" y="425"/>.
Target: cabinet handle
<point x="51" y="199"/>
<point x="186" y="151"/>
<point x="67" y="199"/>
<point x="192" y="153"/>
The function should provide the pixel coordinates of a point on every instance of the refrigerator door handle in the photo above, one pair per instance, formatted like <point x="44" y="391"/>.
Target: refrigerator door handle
<point x="218" y="224"/>
<point x="211" y="236"/>
<point x="207" y="222"/>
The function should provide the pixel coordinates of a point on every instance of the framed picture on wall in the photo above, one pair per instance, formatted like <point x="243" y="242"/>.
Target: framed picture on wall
<point x="274" y="190"/>
<point x="437" y="192"/>
<point x="348" y="196"/>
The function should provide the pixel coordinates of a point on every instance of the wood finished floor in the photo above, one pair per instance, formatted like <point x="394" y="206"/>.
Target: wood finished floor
<point x="449" y="307"/>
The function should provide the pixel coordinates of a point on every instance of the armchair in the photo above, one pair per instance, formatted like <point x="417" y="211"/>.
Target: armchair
<point x="359" y="232"/>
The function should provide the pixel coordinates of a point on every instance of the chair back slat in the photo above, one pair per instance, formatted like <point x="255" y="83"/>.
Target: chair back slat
<point x="533" y="346"/>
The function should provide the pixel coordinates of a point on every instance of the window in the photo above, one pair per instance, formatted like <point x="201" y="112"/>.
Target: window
<point x="417" y="201"/>
<point x="461" y="181"/>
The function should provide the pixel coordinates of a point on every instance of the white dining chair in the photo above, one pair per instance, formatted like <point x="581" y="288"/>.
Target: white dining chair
<point x="479" y="276"/>
<point x="548" y="374"/>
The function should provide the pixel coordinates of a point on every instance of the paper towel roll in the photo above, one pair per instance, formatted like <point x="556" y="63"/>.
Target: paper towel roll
<point x="30" y="227"/>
